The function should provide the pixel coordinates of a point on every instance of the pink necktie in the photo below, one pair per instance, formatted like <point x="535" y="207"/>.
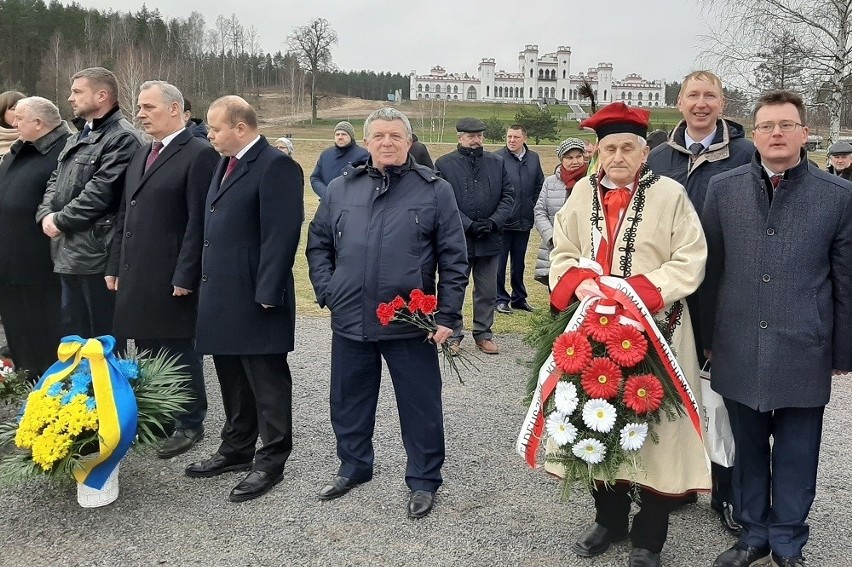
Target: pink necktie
<point x="232" y="163"/>
<point x="155" y="153"/>
<point x="775" y="180"/>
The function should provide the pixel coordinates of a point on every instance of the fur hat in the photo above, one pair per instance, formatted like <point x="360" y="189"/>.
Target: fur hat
<point x="346" y="127"/>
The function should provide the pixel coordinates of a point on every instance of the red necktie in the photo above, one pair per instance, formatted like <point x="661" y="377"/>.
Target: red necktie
<point x="232" y="163"/>
<point x="775" y="180"/>
<point x="155" y="153"/>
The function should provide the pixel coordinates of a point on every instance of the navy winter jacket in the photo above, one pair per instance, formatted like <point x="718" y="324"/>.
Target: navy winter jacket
<point x="376" y="236"/>
<point x="331" y="163"/>
<point x="527" y="179"/>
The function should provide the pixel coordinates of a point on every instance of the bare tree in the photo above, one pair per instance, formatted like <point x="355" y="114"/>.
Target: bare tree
<point x="744" y="29"/>
<point x="312" y="46"/>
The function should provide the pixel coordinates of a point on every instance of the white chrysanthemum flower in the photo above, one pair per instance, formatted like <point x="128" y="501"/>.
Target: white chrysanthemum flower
<point x="566" y="397"/>
<point x="599" y="415"/>
<point x="560" y="429"/>
<point x="633" y="436"/>
<point x="590" y="450"/>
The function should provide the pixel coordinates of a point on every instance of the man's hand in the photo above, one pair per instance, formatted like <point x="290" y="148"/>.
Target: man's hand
<point x="180" y="291"/>
<point x="483" y="227"/>
<point x="708" y="354"/>
<point x="440" y="335"/>
<point x="588" y="288"/>
<point x="836" y="372"/>
<point x="48" y="227"/>
<point x="111" y="283"/>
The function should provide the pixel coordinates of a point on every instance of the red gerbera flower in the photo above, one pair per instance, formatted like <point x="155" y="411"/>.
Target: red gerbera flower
<point x="385" y="312"/>
<point x="416" y="297"/>
<point x="626" y="345"/>
<point x="572" y="352"/>
<point x="598" y="325"/>
<point x="398" y="302"/>
<point x="428" y="304"/>
<point x="601" y="379"/>
<point x="643" y="393"/>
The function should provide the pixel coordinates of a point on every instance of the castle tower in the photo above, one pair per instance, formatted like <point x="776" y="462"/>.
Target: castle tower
<point x="486" y="78"/>
<point x="412" y="85"/>
<point x="605" y="94"/>
<point x="528" y="58"/>
<point x="563" y="72"/>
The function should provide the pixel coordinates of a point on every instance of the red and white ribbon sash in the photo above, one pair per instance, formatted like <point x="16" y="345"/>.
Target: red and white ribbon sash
<point x="530" y="436"/>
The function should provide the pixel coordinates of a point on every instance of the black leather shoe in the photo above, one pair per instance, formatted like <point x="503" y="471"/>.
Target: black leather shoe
<point x="596" y="539"/>
<point x="420" y="503"/>
<point x="640" y="557"/>
<point x="742" y="556"/>
<point x="338" y="486"/>
<point x="215" y="465"/>
<point x="779" y="561"/>
<point x="181" y="441"/>
<point x="504" y="309"/>
<point x="257" y="483"/>
<point x="523" y="306"/>
<point x="726" y="516"/>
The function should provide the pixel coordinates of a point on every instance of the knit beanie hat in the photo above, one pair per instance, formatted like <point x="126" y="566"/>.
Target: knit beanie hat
<point x="346" y="127"/>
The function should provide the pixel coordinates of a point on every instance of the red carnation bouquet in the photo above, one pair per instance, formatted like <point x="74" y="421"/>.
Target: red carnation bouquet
<point x="602" y="386"/>
<point x="420" y="311"/>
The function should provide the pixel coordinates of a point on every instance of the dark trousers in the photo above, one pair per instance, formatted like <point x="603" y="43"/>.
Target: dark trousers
<point x="650" y="525"/>
<point x="775" y="485"/>
<point x="484" y="269"/>
<point x="257" y="394"/>
<point x="196" y="410"/>
<point x="514" y="251"/>
<point x="356" y="368"/>
<point x="31" y="321"/>
<point x="87" y="305"/>
<point x="723" y="490"/>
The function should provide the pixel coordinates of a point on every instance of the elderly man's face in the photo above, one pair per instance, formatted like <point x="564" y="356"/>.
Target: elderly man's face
<point x="471" y="140"/>
<point x="621" y="157"/>
<point x="158" y="118"/>
<point x="29" y="127"/>
<point x="838" y="161"/>
<point x="388" y="143"/>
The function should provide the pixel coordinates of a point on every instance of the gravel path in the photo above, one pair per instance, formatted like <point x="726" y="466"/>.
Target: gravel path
<point x="492" y="509"/>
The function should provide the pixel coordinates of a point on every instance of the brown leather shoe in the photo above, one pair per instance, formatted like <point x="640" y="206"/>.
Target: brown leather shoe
<point x="487" y="346"/>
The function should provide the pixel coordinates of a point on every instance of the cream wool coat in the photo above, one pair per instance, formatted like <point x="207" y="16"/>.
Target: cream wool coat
<point x="669" y="250"/>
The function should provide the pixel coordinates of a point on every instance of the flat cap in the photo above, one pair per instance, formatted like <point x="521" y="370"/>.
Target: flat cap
<point x="840" y="148"/>
<point x="470" y="125"/>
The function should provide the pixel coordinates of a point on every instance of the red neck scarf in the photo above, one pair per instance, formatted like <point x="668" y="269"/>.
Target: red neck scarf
<point x="569" y="178"/>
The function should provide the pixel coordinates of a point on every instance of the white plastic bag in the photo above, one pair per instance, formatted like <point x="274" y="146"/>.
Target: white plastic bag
<point x="718" y="439"/>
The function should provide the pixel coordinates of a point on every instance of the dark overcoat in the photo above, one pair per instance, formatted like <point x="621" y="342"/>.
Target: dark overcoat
<point x="251" y="232"/>
<point x="482" y="192"/>
<point x="158" y="236"/>
<point x="776" y="304"/>
<point x="24" y="248"/>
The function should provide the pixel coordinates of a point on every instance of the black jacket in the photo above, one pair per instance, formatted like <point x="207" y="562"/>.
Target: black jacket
<point x="845" y="174"/>
<point x="483" y="191"/>
<point x="377" y="236"/>
<point x="729" y="149"/>
<point x="85" y="192"/>
<point x="24" y="248"/>
<point x="420" y="153"/>
<point x="158" y="239"/>
<point x="527" y="179"/>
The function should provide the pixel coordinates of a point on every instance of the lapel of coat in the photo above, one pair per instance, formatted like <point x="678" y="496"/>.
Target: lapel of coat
<point x="174" y="147"/>
<point x="242" y="168"/>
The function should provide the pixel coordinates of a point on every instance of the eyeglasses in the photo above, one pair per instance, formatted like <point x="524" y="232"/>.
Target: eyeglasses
<point x="769" y="127"/>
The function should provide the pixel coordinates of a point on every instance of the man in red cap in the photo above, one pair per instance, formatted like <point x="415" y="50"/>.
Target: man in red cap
<point x="631" y="223"/>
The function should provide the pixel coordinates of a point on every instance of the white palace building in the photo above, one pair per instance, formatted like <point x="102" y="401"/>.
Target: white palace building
<point x="539" y="77"/>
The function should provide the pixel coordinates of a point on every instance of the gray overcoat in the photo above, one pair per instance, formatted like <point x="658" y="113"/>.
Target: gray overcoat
<point x="777" y="299"/>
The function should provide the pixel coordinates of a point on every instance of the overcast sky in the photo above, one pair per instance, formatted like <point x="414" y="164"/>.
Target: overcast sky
<point x="655" y="38"/>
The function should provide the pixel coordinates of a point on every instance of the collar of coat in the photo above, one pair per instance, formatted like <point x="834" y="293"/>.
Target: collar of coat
<point x="795" y="172"/>
<point x="351" y="172"/>
<point x="720" y="146"/>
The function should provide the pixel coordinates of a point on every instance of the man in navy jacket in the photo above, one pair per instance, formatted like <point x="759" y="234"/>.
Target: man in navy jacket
<point x="384" y="229"/>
